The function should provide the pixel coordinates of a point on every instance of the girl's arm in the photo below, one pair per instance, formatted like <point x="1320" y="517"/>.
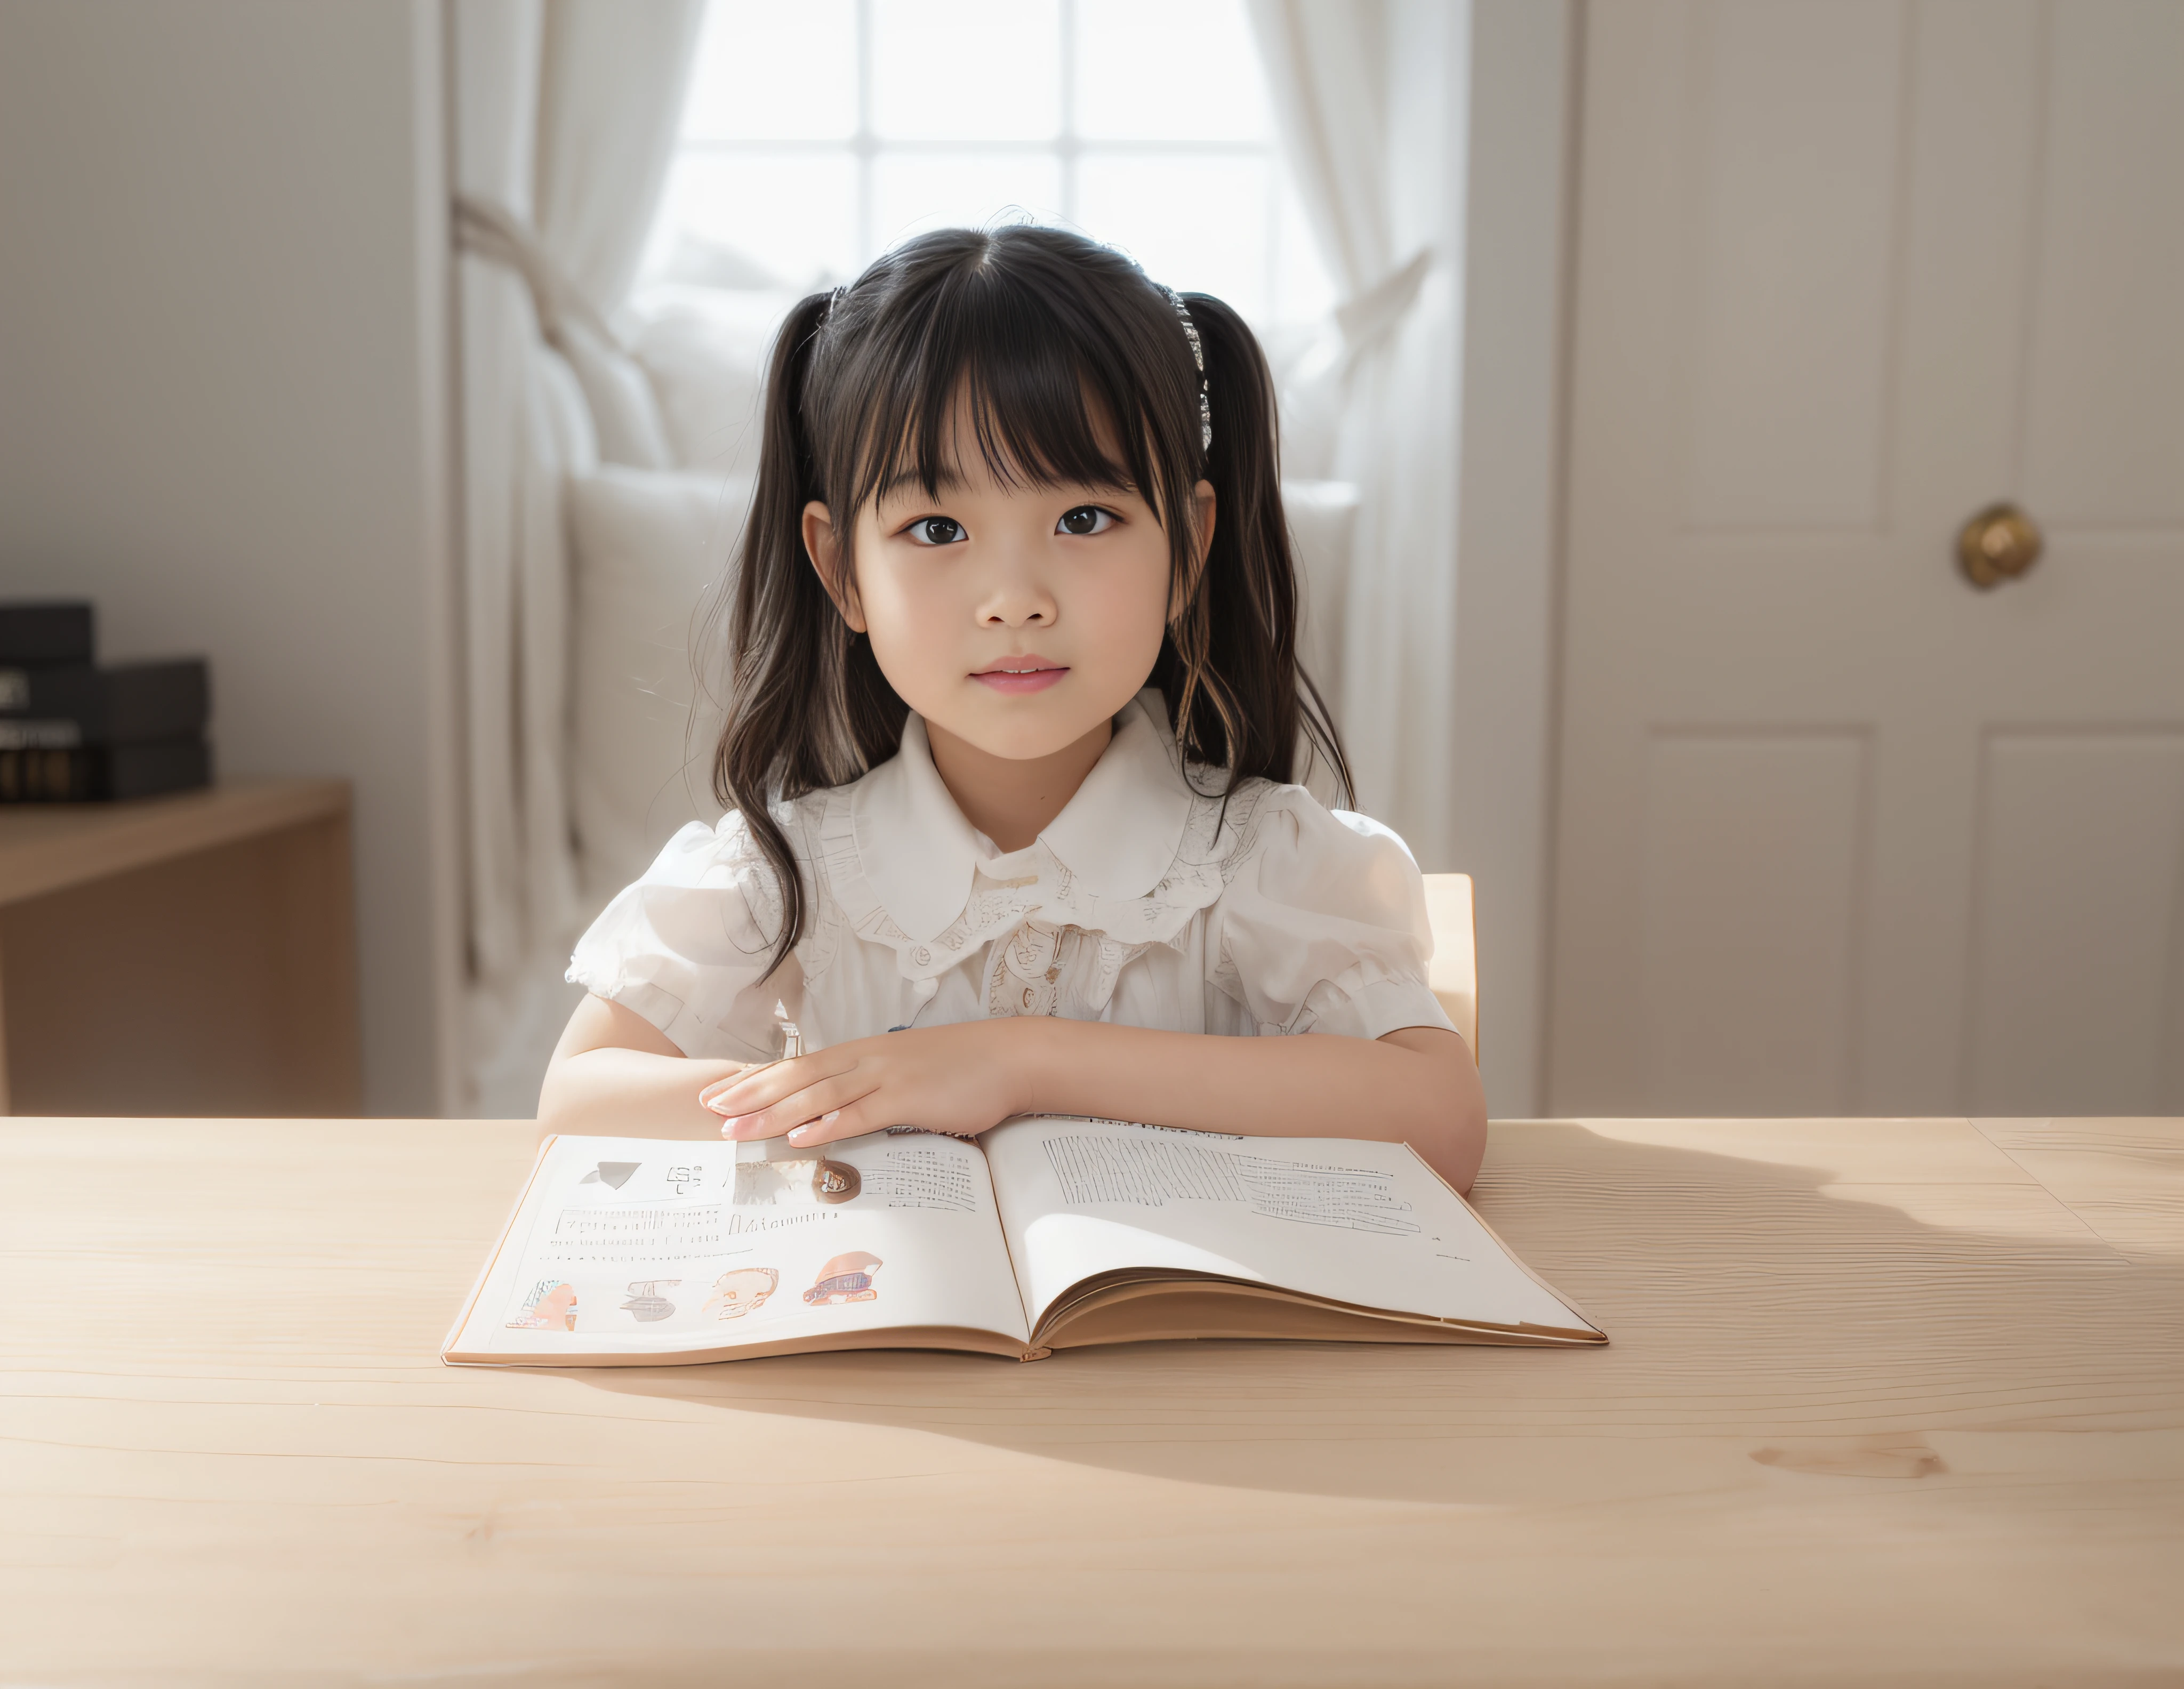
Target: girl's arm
<point x="1418" y="1085"/>
<point x="614" y="1074"/>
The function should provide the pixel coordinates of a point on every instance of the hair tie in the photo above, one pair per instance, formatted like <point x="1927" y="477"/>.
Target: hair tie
<point x="1197" y="357"/>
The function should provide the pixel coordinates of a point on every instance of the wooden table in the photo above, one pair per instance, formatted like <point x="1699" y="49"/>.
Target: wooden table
<point x="1889" y="1402"/>
<point x="187" y="955"/>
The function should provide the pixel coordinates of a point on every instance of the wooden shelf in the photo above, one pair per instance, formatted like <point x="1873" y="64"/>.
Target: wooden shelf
<point x="49" y="847"/>
<point x="193" y="953"/>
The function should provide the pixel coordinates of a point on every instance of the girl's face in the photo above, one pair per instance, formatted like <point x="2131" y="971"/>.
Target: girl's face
<point x="1019" y="618"/>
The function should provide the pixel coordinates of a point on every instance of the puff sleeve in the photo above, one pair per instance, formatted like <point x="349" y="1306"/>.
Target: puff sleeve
<point x="687" y="945"/>
<point x="1323" y="926"/>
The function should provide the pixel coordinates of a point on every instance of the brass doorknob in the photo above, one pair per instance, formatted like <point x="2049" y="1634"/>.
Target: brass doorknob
<point x="1998" y="545"/>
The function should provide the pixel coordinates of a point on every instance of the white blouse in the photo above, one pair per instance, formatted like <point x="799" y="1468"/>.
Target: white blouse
<point x="1144" y="903"/>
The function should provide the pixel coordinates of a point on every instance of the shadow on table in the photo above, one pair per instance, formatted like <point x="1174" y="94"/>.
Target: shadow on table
<point x="1830" y="1330"/>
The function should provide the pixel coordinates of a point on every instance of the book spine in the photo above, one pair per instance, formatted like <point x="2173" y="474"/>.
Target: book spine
<point x="130" y="704"/>
<point x="45" y="777"/>
<point x="55" y="632"/>
<point x="103" y="773"/>
<point x="21" y="735"/>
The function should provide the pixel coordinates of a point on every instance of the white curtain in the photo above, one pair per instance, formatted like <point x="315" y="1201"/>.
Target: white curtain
<point x="565" y="114"/>
<point x="1369" y="97"/>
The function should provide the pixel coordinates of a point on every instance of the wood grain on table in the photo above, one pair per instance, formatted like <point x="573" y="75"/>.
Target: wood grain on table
<point x="1887" y="1402"/>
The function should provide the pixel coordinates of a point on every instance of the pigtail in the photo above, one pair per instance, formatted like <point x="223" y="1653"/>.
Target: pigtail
<point x="798" y="671"/>
<point x="1238" y="696"/>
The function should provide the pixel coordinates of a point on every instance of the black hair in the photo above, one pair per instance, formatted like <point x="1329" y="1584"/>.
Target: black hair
<point x="1047" y="335"/>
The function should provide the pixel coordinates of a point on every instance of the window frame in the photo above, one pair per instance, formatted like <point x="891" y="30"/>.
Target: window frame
<point x="865" y="146"/>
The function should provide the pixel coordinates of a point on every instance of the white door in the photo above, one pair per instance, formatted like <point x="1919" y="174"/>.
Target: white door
<point x="1839" y="831"/>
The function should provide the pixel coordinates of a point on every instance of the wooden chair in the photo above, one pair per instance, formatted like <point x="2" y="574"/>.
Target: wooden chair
<point x="1453" y="974"/>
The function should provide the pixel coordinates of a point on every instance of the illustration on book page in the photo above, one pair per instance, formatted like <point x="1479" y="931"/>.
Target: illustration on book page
<point x="742" y="1291"/>
<point x="645" y="1300"/>
<point x="550" y="1306"/>
<point x="776" y="1174"/>
<point x="845" y="1279"/>
<point x="626" y="1246"/>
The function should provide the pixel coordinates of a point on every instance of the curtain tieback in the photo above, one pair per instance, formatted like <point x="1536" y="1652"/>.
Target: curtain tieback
<point x="488" y="230"/>
<point x="1368" y="318"/>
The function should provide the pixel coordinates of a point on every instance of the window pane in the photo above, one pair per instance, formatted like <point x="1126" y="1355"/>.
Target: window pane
<point x="914" y="192"/>
<point x="966" y="69"/>
<point x="793" y="214"/>
<point x="1168" y="70"/>
<point x="1196" y="224"/>
<point x="774" y="72"/>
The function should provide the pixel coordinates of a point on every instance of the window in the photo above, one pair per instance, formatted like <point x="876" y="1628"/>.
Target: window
<point x="819" y="132"/>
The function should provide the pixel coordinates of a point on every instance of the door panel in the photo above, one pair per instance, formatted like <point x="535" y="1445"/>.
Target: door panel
<point x="2103" y="428"/>
<point x="1847" y="273"/>
<point x="1796" y="166"/>
<point x="2076" y="959"/>
<point x="1742" y="986"/>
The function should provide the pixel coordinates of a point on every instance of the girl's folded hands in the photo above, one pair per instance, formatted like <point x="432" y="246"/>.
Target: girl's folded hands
<point x="961" y="1079"/>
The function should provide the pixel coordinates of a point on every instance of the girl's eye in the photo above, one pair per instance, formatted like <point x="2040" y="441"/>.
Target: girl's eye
<point x="1085" y="519"/>
<point x="937" y="531"/>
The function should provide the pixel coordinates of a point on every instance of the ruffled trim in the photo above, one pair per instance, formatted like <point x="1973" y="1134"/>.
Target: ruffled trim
<point x="822" y="936"/>
<point x="1059" y="923"/>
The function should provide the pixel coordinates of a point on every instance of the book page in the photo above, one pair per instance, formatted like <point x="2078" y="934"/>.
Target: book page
<point x="630" y="1245"/>
<point x="1365" y="1224"/>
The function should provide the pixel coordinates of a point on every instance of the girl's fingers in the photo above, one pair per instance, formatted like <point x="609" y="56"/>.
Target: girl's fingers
<point x="851" y="1120"/>
<point x="726" y="1082"/>
<point x="763" y="1087"/>
<point x="828" y="1096"/>
<point x="718" y="1092"/>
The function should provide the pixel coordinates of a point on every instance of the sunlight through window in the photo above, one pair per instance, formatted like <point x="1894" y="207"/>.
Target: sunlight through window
<point x="818" y="134"/>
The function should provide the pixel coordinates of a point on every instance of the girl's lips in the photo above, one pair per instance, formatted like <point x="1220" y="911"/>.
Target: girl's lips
<point x="1022" y="674"/>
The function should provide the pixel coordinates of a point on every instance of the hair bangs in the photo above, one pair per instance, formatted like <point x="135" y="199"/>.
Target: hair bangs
<point x="1040" y="396"/>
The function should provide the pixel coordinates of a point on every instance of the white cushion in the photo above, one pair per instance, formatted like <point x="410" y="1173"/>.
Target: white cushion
<point x="651" y="552"/>
<point x="705" y="350"/>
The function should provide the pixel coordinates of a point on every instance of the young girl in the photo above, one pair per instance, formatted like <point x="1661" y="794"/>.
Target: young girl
<point x="1016" y="708"/>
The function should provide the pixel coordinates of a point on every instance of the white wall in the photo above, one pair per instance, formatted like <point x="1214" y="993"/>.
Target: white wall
<point x="1508" y="534"/>
<point x="223" y="394"/>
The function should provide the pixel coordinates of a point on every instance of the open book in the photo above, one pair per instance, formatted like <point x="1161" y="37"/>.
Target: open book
<point x="1045" y="1234"/>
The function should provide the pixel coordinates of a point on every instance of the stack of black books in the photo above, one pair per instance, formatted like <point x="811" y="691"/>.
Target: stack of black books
<point x="72" y="732"/>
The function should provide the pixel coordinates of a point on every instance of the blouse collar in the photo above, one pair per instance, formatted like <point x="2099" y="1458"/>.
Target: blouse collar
<point x="1119" y="834"/>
